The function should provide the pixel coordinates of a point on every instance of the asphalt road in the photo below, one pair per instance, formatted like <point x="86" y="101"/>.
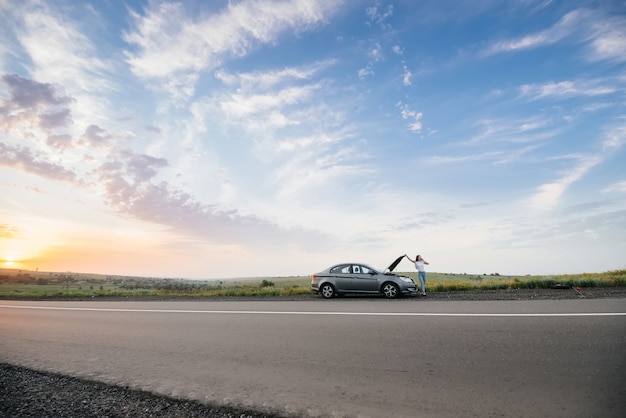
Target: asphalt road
<point x="365" y="357"/>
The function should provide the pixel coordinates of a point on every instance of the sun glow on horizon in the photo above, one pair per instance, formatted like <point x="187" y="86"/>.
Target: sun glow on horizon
<point x="10" y="262"/>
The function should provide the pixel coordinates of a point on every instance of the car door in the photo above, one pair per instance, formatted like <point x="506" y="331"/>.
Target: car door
<point x="363" y="280"/>
<point x="342" y="276"/>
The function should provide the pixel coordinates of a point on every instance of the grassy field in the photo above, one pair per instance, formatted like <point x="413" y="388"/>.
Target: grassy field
<point x="19" y="284"/>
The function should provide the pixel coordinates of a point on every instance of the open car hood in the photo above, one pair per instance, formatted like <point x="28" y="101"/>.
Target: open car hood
<point x="395" y="263"/>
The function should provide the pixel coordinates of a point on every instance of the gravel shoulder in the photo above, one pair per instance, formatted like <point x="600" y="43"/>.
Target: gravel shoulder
<point x="30" y="393"/>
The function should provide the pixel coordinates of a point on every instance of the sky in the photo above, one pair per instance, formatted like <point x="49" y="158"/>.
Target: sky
<point x="268" y="138"/>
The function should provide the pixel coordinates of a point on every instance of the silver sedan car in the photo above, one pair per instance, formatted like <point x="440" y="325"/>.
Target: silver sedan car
<point x="361" y="278"/>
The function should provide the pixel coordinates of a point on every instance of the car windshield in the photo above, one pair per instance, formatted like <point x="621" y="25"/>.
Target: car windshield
<point x="362" y="269"/>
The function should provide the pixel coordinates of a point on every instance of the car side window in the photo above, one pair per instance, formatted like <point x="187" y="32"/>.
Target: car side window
<point x="356" y="269"/>
<point x="343" y="269"/>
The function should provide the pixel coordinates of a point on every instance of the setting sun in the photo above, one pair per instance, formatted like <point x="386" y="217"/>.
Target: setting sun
<point x="9" y="262"/>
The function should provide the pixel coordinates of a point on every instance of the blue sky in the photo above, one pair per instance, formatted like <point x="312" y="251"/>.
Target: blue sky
<point x="271" y="138"/>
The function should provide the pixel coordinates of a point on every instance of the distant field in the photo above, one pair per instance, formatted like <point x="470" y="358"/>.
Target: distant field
<point x="16" y="284"/>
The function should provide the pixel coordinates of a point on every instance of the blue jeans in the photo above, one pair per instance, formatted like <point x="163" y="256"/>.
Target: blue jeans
<point x="422" y="277"/>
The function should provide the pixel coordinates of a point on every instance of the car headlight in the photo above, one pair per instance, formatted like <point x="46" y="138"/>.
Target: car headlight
<point x="406" y="279"/>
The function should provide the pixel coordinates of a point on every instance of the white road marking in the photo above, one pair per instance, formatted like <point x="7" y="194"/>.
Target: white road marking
<point x="221" y="312"/>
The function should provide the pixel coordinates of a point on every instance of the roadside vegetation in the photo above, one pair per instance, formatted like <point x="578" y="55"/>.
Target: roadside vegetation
<point x="21" y="284"/>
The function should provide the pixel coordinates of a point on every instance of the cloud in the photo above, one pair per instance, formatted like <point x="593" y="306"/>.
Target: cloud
<point x="48" y="121"/>
<point x="517" y="130"/>
<point x="35" y="163"/>
<point x="414" y="118"/>
<point x="240" y="105"/>
<point x="29" y="94"/>
<point x="32" y="104"/>
<point x="365" y="72"/>
<point x="619" y="187"/>
<point x="153" y="129"/>
<point x="265" y="80"/>
<point x="406" y="77"/>
<point x="565" y="89"/>
<point x="375" y="53"/>
<point x="62" y="141"/>
<point x="168" y="40"/>
<point x="548" y="194"/>
<point x="379" y="17"/>
<point x="95" y="136"/>
<point x="615" y="139"/>
<point x="604" y="36"/>
<point x="127" y="180"/>
<point x="563" y="28"/>
<point x="60" y="52"/>
<point x="608" y="39"/>
<point x="9" y="232"/>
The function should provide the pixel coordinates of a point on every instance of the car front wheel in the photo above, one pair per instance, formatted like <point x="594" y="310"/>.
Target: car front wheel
<point x="390" y="290"/>
<point x="327" y="290"/>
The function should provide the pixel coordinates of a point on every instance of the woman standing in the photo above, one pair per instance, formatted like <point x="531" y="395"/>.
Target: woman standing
<point x="421" y="271"/>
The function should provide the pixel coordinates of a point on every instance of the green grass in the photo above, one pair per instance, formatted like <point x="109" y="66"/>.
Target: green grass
<point x="45" y="285"/>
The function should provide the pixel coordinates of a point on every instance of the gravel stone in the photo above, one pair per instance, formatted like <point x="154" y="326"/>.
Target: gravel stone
<point x="31" y="393"/>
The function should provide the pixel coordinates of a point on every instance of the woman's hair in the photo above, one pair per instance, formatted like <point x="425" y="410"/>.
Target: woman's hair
<point x="417" y="257"/>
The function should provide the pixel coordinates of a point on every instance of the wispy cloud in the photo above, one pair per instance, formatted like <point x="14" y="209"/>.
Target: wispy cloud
<point x="8" y="231"/>
<point x="607" y="40"/>
<point x="62" y="54"/>
<point x="620" y="187"/>
<point x="615" y="139"/>
<point x="503" y="156"/>
<point x="566" y="89"/>
<point x="563" y="28"/>
<point x="168" y="40"/>
<point x="548" y="194"/>
<point x="604" y="36"/>
<point x="515" y="130"/>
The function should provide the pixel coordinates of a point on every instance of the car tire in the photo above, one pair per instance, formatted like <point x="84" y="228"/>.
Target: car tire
<point x="327" y="291"/>
<point x="390" y="290"/>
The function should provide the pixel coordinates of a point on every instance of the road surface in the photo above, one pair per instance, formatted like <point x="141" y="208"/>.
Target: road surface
<point x="365" y="357"/>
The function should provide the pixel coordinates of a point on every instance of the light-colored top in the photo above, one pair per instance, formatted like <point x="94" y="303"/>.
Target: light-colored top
<point x="419" y="265"/>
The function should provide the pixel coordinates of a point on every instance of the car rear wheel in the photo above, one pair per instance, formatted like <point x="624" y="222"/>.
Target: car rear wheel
<point x="327" y="290"/>
<point x="390" y="290"/>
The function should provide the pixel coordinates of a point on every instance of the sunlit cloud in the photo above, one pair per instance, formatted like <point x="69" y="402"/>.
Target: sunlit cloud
<point x="8" y="231"/>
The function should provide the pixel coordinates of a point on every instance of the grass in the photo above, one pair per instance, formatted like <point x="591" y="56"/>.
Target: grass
<point x="15" y="284"/>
